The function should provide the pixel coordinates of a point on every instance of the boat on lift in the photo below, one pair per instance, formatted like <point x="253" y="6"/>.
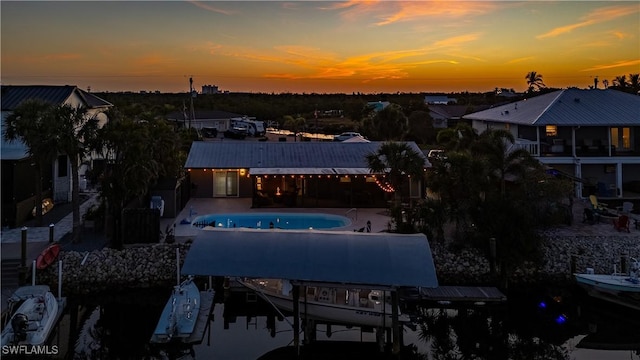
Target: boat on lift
<point x="619" y="288"/>
<point x="333" y="304"/>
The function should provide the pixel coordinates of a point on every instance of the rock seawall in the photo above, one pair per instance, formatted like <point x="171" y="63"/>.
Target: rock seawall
<point x="155" y="265"/>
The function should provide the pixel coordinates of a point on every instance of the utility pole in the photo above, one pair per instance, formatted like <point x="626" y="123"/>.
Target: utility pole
<point x="315" y="113"/>
<point x="192" y="115"/>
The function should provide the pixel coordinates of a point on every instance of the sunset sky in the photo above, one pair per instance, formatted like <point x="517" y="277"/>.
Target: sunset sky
<point x="317" y="46"/>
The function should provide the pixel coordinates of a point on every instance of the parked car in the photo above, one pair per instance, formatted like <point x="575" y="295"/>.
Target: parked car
<point x="346" y="136"/>
<point x="209" y="132"/>
<point x="436" y="154"/>
<point x="236" y="133"/>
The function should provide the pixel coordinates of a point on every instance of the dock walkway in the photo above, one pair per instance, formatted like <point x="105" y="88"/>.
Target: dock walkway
<point x="463" y="294"/>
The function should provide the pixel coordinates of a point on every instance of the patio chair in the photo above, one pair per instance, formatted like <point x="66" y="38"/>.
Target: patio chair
<point x="626" y="208"/>
<point x="621" y="223"/>
<point x="590" y="217"/>
<point x="597" y="206"/>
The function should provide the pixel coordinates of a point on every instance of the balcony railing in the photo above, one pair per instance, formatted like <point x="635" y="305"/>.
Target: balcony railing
<point x="566" y="150"/>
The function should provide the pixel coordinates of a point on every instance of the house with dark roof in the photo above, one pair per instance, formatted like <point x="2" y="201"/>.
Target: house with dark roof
<point x="309" y="174"/>
<point x="220" y="120"/>
<point x="591" y="135"/>
<point x="18" y="188"/>
<point x="439" y="100"/>
<point x="449" y="115"/>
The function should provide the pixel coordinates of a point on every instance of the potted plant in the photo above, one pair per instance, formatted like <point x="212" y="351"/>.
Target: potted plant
<point x="93" y="217"/>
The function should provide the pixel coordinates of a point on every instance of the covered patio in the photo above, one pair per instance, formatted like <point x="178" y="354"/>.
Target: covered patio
<point x="284" y="174"/>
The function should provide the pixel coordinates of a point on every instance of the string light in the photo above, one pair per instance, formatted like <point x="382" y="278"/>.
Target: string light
<point x="386" y="187"/>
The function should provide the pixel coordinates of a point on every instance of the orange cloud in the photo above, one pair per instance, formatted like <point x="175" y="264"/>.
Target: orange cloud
<point x="207" y="6"/>
<point x="614" y="65"/>
<point x="54" y="57"/>
<point x="389" y="12"/>
<point x="519" y="60"/>
<point x="594" y="17"/>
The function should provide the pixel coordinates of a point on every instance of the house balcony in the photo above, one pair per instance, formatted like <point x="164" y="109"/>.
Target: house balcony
<point x="564" y="148"/>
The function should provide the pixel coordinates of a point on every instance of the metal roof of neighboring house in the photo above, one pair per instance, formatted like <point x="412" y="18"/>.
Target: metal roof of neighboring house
<point x="374" y="259"/>
<point x="438" y="99"/>
<point x="203" y="115"/>
<point x="452" y="111"/>
<point x="14" y="95"/>
<point x="258" y="154"/>
<point x="569" y="107"/>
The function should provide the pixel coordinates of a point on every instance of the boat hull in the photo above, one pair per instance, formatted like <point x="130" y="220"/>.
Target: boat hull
<point x="332" y="313"/>
<point x="178" y="318"/>
<point x="618" y="289"/>
<point x="41" y="313"/>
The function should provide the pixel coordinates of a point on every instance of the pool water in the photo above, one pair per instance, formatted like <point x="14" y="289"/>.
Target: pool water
<point x="272" y="220"/>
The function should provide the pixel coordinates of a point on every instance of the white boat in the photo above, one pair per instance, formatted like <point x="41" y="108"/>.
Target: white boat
<point x="331" y="304"/>
<point x="35" y="317"/>
<point x="622" y="289"/>
<point x="179" y="315"/>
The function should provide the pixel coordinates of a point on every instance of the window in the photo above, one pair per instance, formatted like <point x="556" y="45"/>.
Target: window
<point x="62" y="166"/>
<point x="551" y="130"/>
<point x="621" y="138"/>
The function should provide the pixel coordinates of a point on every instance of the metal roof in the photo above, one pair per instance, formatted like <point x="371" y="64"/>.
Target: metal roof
<point x="289" y="155"/>
<point x="374" y="259"/>
<point x="203" y="115"/>
<point x="569" y="107"/>
<point x="14" y="95"/>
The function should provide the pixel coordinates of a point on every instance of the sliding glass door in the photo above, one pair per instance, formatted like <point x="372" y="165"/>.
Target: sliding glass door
<point x="225" y="183"/>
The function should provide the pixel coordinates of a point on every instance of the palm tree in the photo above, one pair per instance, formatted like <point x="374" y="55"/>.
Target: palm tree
<point x="621" y="82"/>
<point x="459" y="138"/>
<point x="534" y="81"/>
<point x="400" y="163"/>
<point x="634" y="83"/>
<point x="296" y="124"/>
<point x="389" y="123"/>
<point x="31" y="123"/>
<point x="73" y="132"/>
<point x="502" y="159"/>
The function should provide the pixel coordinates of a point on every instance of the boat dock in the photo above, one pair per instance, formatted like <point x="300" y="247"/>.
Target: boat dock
<point x="204" y="315"/>
<point x="202" y="321"/>
<point x="446" y="295"/>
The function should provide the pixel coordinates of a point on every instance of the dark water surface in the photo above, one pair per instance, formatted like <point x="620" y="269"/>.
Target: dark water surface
<point x="536" y="324"/>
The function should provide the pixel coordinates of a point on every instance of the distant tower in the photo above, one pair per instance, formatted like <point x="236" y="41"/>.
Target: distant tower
<point x="595" y="82"/>
<point x="89" y="88"/>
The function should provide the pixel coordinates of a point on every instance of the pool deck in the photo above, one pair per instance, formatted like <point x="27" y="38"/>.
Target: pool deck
<point x="202" y="206"/>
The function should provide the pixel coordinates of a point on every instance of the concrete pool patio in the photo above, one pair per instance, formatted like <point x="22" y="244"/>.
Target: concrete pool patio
<point x="203" y="206"/>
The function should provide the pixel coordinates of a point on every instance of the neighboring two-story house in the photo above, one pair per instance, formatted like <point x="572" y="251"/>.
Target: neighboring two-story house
<point x="18" y="187"/>
<point x="591" y="135"/>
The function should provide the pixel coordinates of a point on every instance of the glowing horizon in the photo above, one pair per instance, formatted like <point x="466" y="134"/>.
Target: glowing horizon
<point x="317" y="46"/>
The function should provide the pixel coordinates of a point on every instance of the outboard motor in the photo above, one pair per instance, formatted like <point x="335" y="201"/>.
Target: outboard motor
<point x="19" y="324"/>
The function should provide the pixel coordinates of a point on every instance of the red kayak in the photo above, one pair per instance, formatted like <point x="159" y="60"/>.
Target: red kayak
<point x="47" y="256"/>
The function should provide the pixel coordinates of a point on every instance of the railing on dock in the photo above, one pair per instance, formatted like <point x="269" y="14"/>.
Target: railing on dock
<point x="350" y="211"/>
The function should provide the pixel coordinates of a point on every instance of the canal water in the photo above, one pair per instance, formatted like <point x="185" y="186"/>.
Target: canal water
<point x="533" y="324"/>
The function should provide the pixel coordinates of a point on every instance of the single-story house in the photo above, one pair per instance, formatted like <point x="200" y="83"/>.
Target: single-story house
<point x="310" y="174"/>
<point x="220" y="120"/>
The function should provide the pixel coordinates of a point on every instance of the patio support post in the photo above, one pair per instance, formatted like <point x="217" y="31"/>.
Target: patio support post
<point x="394" y="322"/>
<point x="23" y="270"/>
<point x="618" y="179"/>
<point x="573" y="142"/>
<point x="296" y="319"/>
<point x="538" y="141"/>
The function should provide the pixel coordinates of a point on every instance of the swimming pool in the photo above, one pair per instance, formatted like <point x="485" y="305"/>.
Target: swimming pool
<point x="279" y="220"/>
